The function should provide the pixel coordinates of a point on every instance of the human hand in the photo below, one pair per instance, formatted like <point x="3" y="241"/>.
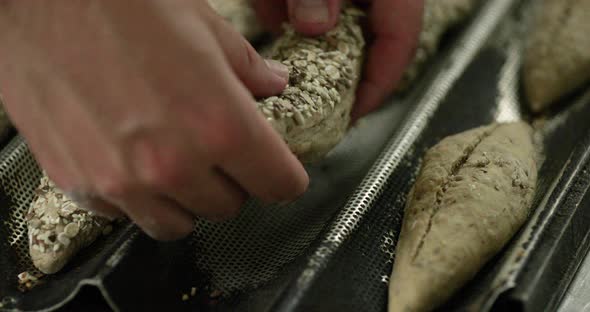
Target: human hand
<point x="146" y="105"/>
<point x="395" y="25"/>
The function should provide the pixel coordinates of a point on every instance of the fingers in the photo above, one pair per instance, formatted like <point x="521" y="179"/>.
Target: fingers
<point x="313" y="17"/>
<point x="222" y="129"/>
<point x="33" y="99"/>
<point x="310" y="17"/>
<point x="102" y="208"/>
<point x="95" y="204"/>
<point x="162" y="124"/>
<point x="160" y="217"/>
<point x="216" y="198"/>
<point x="396" y="25"/>
<point x="171" y="166"/>
<point x="262" y="77"/>
<point x="137" y="189"/>
<point x="173" y="169"/>
<point x="271" y="13"/>
<point x="276" y="178"/>
<point x="248" y="150"/>
<point x="256" y="158"/>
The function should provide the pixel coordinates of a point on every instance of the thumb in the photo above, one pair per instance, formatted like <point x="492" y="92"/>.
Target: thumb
<point x="263" y="77"/>
<point x="313" y="17"/>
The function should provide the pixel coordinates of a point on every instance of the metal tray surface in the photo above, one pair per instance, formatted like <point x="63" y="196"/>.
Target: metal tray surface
<point x="333" y="248"/>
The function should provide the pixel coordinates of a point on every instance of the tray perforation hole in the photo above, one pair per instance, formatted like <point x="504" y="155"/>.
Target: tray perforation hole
<point x="19" y="176"/>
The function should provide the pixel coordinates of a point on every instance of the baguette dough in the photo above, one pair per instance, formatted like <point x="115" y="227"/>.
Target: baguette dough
<point x="312" y="124"/>
<point x="313" y="113"/>
<point x="322" y="130"/>
<point x="58" y="228"/>
<point x="557" y="58"/>
<point x="473" y="193"/>
<point x="439" y="16"/>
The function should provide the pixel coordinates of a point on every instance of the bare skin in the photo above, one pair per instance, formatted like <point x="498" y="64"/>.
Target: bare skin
<point x="150" y="106"/>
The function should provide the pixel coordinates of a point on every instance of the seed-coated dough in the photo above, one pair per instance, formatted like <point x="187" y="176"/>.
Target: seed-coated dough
<point x="439" y="16"/>
<point x="324" y="75"/>
<point x="473" y="193"/>
<point x="51" y="246"/>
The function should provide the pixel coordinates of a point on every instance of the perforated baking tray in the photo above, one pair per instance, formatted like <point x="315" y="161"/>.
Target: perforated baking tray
<point x="355" y="257"/>
<point x="333" y="248"/>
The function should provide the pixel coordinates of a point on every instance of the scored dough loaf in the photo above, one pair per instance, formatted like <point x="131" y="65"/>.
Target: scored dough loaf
<point x="313" y="112"/>
<point x="473" y="193"/>
<point x="439" y="16"/>
<point x="58" y="228"/>
<point x="557" y="57"/>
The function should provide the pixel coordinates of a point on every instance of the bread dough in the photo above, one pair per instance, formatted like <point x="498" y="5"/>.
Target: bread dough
<point x="439" y="16"/>
<point x="58" y="228"/>
<point x="473" y="193"/>
<point x="313" y="113"/>
<point x="557" y="58"/>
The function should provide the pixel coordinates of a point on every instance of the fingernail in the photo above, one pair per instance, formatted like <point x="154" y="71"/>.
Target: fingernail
<point x="311" y="11"/>
<point x="278" y="68"/>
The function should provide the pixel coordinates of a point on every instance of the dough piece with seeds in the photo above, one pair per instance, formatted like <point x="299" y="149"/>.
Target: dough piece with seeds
<point x="557" y="57"/>
<point x="439" y="16"/>
<point x="241" y="15"/>
<point x="313" y="112"/>
<point x="58" y="228"/>
<point x="473" y="193"/>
